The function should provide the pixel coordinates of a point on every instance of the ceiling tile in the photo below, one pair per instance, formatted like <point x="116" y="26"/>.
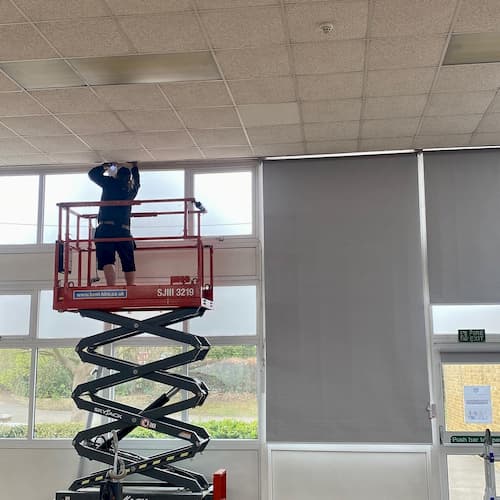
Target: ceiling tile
<point x="9" y="14"/>
<point x="121" y="140"/>
<point x="408" y="17"/>
<point x="441" y="141"/>
<point x="15" y="146"/>
<point x="293" y="149"/>
<point x="254" y="63"/>
<point x="25" y="159"/>
<point x="70" y="100"/>
<point x="7" y="84"/>
<point x="150" y="120"/>
<point x="172" y="32"/>
<point x="228" y="152"/>
<point x="130" y="7"/>
<point x="249" y="27"/>
<point x="331" y="111"/>
<point x="22" y="41"/>
<point x="197" y="94"/>
<point x="490" y="123"/>
<point x="495" y="104"/>
<point x="35" y="125"/>
<point x="263" y="90"/>
<point x="349" y="19"/>
<point x="399" y="82"/>
<point x="76" y="158"/>
<point x="331" y="147"/>
<point x="459" y="103"/>
<point x="478" y="16"/>
<point x="220" y="137"/>
<point x="399" y="127"/>
<point x="86" y="37"/>
<point x="177" y="154"/>
<point x="125" y="155"/>
<point x="336" y="86"/>
<point x="275" y="134"/>
<point x="486" y="139"/>
<point x="333" y="131"/>
<point x="255" y="115"/>
<point x="92" y="123"/>
<point x="226" y="4"/>
<point x="407" y="52"/>
<point x="165" y="140"/>
<point x="468" y="77"/>
<point x="332" y="57"/>
<point x="5" y="132"/>
<point x="210" y="117"/>
<point x="61" y="9"/>
<point x="59" y="144"/>
<point x="444" y="125"/>
<point x="394" y="107"/>
<point x="19" y="104"/>
<point x="386" y="144"/>
<point x="140" y="97"/>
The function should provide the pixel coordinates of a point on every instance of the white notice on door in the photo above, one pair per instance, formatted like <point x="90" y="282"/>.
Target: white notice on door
<point x="477" y="404"/>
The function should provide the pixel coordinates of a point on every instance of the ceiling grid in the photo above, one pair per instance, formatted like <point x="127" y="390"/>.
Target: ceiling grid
<point x="173" y="80"/>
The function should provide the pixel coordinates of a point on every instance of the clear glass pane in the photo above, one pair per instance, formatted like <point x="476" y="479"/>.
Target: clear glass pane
<point x="14" y="314"/>
<point x="14" y="392"/>
<point x="228" y="198"/>
<point x="466" y="478"/>
<point x="66" y="188"/>
<point x="231" y="410"/>
<point x="451" y="318"/>
<point x="234" y="313"/>
<point x="142" y="392"/>
<point x="18" y="209"/>
<point x="56" y="415"/>
<point x="56" y="325"/>
<point x="471" y="397"/>
<point x="160" y="185"/>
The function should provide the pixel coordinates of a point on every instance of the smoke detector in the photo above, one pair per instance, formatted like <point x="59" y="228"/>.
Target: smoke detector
<point x="326" y="28"/>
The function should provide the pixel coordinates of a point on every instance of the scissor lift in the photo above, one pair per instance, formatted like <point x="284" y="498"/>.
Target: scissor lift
<point x="183" y="297"/>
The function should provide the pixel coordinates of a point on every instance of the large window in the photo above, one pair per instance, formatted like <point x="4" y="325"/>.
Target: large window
<point x="40" y="367"/>
<point x="18" y="209"/>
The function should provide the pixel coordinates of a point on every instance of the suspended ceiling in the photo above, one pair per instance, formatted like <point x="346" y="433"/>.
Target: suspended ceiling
<point x="209" y="79"/>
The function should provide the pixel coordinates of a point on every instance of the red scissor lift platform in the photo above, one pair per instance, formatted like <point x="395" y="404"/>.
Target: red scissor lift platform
<point x="178" y="296"/>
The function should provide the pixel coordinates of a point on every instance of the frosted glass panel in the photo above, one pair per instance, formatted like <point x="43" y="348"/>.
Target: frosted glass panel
<point x="159" y="185"/>
<point x="228" y="200"/>
<point x="56" y="325"/>
<point x="234" y="313"/>
<point x="14" y="314"/>
<point x="450" y="319"/>
<point x="65" y="188"/>
<point x="18" y="209"/>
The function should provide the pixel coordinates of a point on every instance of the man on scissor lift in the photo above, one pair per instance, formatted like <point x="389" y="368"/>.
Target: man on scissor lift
<point x="118" y="183"/>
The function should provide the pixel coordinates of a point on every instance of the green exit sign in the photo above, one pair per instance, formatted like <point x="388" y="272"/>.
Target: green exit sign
<point x="471" y="336"/>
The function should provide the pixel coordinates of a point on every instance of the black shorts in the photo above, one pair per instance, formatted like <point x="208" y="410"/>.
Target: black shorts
<point x="106" y="251"/>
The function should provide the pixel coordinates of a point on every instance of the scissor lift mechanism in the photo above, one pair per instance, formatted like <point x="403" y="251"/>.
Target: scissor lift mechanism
<point x="184" y="297"/>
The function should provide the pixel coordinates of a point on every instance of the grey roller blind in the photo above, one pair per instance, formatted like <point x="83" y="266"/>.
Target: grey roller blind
<point x="345" y="340"/>
<point x="463" y="225"/>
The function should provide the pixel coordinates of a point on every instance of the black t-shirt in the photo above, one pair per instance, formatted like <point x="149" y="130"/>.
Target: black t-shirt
<point x="114" y="189"/>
